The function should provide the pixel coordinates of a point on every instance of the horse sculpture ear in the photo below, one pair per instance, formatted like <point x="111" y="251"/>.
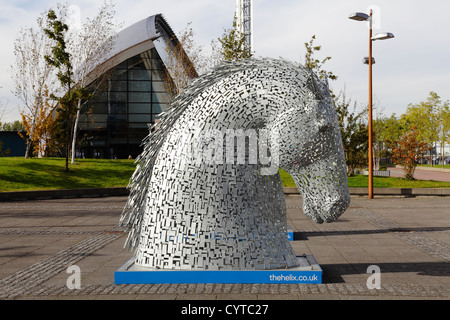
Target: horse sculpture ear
<point x="325" y="82"/>
<point x="314" y="87"/>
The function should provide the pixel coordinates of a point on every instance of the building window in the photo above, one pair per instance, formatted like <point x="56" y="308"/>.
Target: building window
<point x="116" y="119"/>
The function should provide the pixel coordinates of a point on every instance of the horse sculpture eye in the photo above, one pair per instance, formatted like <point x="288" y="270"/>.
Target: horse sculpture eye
<point x="192" y="205"/>
<point x="324" y="126"/>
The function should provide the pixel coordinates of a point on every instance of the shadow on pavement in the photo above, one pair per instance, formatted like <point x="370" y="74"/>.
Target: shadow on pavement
<point x="332" y="273"/>
<point x="303" y="235"/>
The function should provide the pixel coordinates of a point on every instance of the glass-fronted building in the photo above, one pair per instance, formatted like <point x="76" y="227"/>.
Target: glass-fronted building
<point x="131" y="94"/>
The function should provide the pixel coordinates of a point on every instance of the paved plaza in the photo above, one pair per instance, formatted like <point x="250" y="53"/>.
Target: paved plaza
<point x="407" y="238"/>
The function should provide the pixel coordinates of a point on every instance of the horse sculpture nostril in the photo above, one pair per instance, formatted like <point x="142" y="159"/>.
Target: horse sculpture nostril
<point x="324" y="127"/>
<point x="334" y="211"/>
<point x="323" y="185"/>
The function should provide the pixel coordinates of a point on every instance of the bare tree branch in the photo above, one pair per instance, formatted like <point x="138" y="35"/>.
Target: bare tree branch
<point x="30" y="72"/>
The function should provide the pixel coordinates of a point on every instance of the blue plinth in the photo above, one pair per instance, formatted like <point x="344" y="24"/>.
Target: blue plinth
<point x="308" y="272"/>
<point x="290" y="234"/>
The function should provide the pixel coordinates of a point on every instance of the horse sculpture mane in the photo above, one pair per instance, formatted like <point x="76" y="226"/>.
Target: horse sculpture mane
<point x="192" y="205"/>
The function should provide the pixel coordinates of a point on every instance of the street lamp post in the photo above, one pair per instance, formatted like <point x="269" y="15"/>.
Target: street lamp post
<point x="370" y="111"/>
<point x="359" y="16"/>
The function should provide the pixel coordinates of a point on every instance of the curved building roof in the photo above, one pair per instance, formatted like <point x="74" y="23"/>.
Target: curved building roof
<point x="148" y="33"/>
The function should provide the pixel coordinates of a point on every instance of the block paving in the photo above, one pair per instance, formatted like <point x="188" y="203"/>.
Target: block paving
<point x="40" y="239"/>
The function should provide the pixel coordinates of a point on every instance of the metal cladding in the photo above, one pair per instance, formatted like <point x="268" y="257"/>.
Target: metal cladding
<point x="197" y="201"/>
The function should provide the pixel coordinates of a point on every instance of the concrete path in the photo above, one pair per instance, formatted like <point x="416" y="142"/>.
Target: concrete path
<point x="407" y="238"/>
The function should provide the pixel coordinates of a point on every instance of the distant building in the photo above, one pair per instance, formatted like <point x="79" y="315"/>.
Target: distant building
<point x="134" y="93"/>
<point x="13" y="142"/>
<point x="437" y="156"/>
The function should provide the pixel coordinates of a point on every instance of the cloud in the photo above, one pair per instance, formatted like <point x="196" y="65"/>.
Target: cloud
<point x="407" y="67"/>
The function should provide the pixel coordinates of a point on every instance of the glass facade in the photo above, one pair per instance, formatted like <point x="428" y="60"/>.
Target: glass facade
<point x="115" y="121"/>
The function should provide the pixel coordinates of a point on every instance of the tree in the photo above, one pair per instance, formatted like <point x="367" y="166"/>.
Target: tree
<point x="60" y="59"/>
<point x="407" y="150"/>
<point x="443" y="116"/>
<point x="12" y="126"/>
<point x="424" y="117"/>
<point x="354" y="133"/>
<point x="232" y="44"/>
<point x="184" y="57"/>
<point x="314" y="64"/>
<point x="44" y="136"/>
<point x="31" y="74"/>
<point x="392" y="129"/>
<point x="88" y="48"/>
<point x="3" y="153"/>
<point x="390" y="132"/>
<point x="378" y="144"/>
<point x="213" y="59"/>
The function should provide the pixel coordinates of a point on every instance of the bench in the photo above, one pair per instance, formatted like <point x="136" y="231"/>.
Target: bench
<point x="379" y="173"/>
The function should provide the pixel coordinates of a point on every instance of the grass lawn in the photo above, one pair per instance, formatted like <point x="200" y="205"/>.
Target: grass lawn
<point x="18" y="174"/>
<point x="385" y="182"/>
<point x="378" y="182"/>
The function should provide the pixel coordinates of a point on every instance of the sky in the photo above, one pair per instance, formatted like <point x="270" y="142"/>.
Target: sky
<point x="407" y="67"/>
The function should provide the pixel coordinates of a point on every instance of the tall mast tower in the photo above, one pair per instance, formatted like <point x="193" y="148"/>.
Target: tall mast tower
<point x="244" y="13"/>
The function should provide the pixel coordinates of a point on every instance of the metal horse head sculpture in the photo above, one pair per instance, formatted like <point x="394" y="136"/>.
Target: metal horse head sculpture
<point x="197" y="201"/>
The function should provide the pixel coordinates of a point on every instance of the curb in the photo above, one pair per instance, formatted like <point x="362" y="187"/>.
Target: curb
<point x="123" y="191"/>
<point x="435" y="169"/>
<point x="405" y="192"/>
<point x="63" y="194"/>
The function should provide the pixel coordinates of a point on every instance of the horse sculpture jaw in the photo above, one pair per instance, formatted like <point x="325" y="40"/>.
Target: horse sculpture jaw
<point x="323" y="186"/>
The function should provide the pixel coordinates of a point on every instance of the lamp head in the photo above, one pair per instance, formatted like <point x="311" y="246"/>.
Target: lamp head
<point x="359" y="16"/>
<point x="383" y="36"/>
<point x="366" y="60"/>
